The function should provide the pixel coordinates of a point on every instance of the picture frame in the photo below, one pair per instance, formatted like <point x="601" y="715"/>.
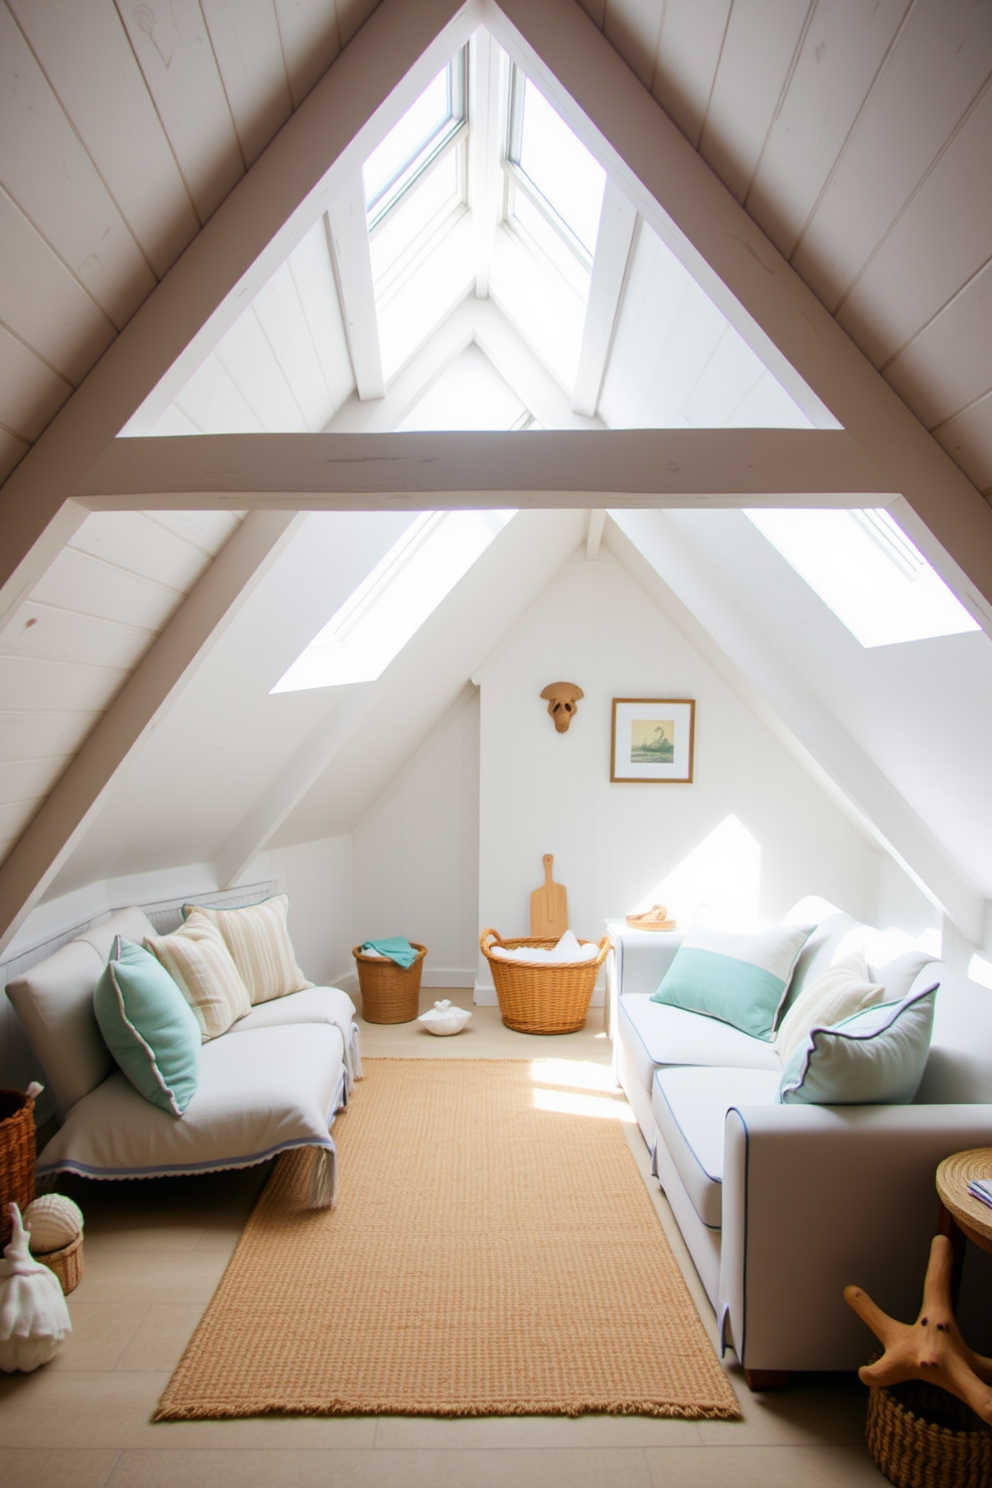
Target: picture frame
<point x="653" y="740"/>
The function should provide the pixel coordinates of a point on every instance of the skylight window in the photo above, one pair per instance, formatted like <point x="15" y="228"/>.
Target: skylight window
<point x="549" y="169"/>
<point x="412" y="145"/>
<point x="376" y="621"/>
<point x="866" y="570"/>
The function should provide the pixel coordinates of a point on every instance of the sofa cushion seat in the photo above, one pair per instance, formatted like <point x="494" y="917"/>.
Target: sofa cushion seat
<point x="690" y="1108"/>
<point x="310" y="1005"/>
<point x="657" y="1035"/>
<point x="266" y="1091"/>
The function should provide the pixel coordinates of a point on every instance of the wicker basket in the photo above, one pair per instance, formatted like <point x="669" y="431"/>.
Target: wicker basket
<point x="67" y="1264"/>
<point x="390" y="993"/>
<point x="17" y="1152"/>
<point x="541" y="996"/>
<point x="922" y="1437"/>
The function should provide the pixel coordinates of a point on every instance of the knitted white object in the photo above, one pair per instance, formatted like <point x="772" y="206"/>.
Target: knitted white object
<point x="52" y="1222"/>
<point x="33" y="1316"/>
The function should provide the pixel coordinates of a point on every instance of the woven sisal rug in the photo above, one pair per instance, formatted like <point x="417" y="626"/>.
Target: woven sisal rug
<point x="493" y="1252"/>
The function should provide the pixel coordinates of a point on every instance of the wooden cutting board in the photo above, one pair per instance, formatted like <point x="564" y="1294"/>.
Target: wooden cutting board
<point x="549" y="906"/>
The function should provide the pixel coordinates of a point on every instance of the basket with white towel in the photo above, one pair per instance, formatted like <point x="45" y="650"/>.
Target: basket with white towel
<point x="543" y="986"/>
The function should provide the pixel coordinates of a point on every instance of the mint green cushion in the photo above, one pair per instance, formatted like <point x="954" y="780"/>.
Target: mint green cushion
<point x="149" y="1027"/>
<point x="740" y="978"/>
<point x="874" y="1058"/>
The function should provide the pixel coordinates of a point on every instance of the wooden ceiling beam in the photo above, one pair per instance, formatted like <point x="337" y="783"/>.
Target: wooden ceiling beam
<point x="538" y="468"/>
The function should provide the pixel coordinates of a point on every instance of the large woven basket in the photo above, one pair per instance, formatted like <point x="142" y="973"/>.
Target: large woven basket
<point x="922" y="1437"/>
<point x="390" y="993"/>
<point x="17" y="1151"/>
<point x="542" y="996"/>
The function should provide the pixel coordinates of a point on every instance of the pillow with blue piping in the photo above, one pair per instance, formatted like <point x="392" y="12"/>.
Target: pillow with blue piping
<point x="149" y="1027"/>
<point x="876" y="1057"/>
<point x="740" y="978"/>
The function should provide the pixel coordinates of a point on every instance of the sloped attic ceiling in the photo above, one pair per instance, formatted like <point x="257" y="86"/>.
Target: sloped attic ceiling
<point x="807" y="180"/>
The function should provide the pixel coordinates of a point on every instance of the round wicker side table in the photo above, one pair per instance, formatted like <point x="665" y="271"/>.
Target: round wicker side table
<point x="972" y="1217"/>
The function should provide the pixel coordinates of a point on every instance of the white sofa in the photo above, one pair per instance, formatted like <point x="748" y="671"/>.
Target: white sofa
<point x="782" y="1206"/>
<point x="272" y="1082"/>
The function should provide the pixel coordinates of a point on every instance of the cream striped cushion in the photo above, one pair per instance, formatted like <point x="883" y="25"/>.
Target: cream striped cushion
<point x="199" y="962"/>
<point x="258" y="940"/>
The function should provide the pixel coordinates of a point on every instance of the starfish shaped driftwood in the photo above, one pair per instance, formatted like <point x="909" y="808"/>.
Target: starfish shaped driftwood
<point x="930" y="1349"/>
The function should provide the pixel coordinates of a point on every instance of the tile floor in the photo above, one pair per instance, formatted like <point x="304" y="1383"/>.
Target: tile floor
<point x="154" y="1254"/>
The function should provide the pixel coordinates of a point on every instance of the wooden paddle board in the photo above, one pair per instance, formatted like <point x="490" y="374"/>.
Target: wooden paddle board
<point x="549" y="906"/>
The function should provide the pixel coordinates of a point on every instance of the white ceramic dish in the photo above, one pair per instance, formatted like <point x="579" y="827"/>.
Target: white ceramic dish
<point x="443" y="1019"/>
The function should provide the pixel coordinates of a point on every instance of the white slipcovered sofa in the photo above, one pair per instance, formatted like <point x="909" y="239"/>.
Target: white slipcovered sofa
<point x="273" y="1081"/>
<point x="781" y="1206"/>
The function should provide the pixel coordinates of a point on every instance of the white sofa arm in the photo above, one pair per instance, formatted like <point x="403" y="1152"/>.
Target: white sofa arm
<point x="642" y="957"/>
<point x="816" y="1198"/>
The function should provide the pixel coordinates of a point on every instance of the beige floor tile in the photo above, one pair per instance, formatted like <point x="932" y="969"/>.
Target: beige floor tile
<point x="100" y="1332"/>
<point x="75" y="1408"/>
<point x="131" y="1277"/>
<point x="417" y="1433"/>
<point x="39" y="1468"/>
<point x="824" y="1408"/>
<point x="159" y="1342"/>
<point x="764" y="1467"/>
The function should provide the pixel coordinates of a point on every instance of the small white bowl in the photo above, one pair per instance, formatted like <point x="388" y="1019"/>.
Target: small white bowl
<point x="443" y="1019"/>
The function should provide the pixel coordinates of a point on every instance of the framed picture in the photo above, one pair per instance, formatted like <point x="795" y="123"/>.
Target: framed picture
<point x="652" y="739"/>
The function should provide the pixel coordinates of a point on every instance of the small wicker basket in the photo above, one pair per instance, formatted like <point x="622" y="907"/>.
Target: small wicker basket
<point x="17" y="1151"/>
<point x="542" y="996"/>
<point x="390" y="993"/>
<point x="922" y="1437"/>
<point x="67" y="1264"/>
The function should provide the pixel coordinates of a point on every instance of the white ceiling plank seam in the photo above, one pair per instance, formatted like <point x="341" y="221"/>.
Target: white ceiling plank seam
<point x="731" y="467"/>
<point x="348" y="236"/>
<point x="196" y="626"/>
<point x="287" y="790"/>
<point x="817" y="729"/>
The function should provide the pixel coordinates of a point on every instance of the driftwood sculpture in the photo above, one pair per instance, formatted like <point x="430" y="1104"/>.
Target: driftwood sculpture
<point x="562" y="699"/>
<point x="930" y="1349"/>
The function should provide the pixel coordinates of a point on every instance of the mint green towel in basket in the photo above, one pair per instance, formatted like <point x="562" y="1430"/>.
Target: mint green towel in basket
<point x="396" y="947"/>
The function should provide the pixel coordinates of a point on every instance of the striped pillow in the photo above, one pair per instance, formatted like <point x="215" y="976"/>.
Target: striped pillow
<point x="200" y="964"/>
<point x="258" y="940"/>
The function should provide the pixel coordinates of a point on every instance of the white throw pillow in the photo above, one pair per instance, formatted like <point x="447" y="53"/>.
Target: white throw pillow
<point x="837" y="993"/>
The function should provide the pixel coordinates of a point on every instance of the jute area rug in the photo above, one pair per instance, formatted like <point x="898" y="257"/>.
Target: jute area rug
<point x="494" y="1252"/>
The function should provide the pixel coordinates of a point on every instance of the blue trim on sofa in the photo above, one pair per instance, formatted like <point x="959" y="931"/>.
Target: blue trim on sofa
<point x="739" y="1347"/>
<point x="178" y="1170"/>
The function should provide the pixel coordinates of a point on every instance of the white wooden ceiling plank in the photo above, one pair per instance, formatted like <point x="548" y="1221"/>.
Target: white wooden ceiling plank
<point x="284" y="320"/>
<point x="905" y="126"/>
<point x="79" y="582"/>
<point x="72" y="210"/>
<point x="245" y="38"/>
<point x="170" y="663"/>
<point x="172" y="45"/>
<point x="215" y="405"/>
<point x="632" y="28"/>
<point x="845" y="45"/>
<point x="28" y="779"/>
<point x="45" y="305"/>
<point x="253" y="367"/>
<point x="949" y="363"/>
<point x="759" y="51"/>
<point x="313" y="273"/>
<point x="28" y="735"/>
<point x="31" y="392"/>
<point x="86" y="56"/>
<point x="730" y="374"/>
<point x="30" y="684"/>
<point x="596" y="11"/>
<point x="12" y="451"/>
<point x="352" y="14"/>
<point x="431" y="292"/>
<point x="766" y="405"/>
<point x="15" y="815"/>
<point x="206" y="530"/>
<point x="140" y="546"/>
<point x="688" y="55"/>
<point x="967" y="438"/>
<point x="46" y="633"/>
<point x="175" y="421"/>
<point x="939" y="242"/>
<point x="658" y="282"/>
<point x="310" y="42"/>
<point x="545" y="312"/>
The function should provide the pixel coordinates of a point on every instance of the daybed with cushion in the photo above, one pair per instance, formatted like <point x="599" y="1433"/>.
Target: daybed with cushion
<point x="782" y="1197"/>
<point x="273" y="1079"/>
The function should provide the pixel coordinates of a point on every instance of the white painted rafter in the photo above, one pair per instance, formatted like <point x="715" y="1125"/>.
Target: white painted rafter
<point x="347" y="232"/>
<point x="609" y="267"/>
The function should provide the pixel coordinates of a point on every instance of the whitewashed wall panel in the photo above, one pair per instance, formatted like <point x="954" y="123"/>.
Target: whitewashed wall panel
<point x="317" y="876"/>
<point x="31" y="393"/>
<point x="749" y="836"/>
<point x="416" y="853"/>
<point x="689" y="48"/>
<point x="941" y="369"/>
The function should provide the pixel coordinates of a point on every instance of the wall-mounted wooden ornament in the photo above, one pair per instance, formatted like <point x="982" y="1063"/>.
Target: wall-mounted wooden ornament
<point x="563" y="701"/>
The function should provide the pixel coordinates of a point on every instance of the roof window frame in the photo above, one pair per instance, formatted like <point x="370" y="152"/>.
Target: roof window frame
<point x="417" y="164"/>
